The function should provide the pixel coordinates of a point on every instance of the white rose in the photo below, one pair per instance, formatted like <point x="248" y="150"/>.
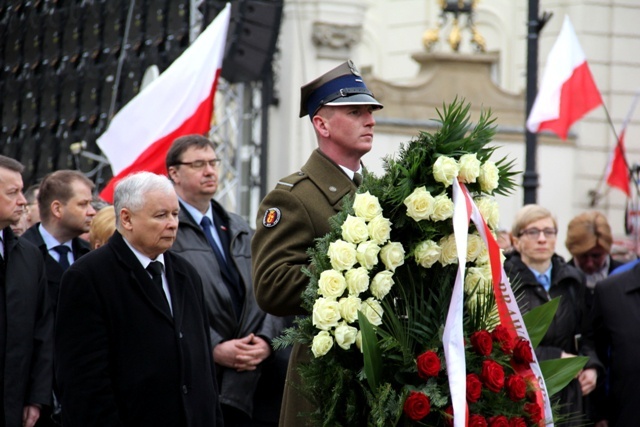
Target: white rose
<point x="478" y="279"/>
<point x="367" y="254"/>
<point x="342" y="255"/>
<point x="366" y="206"/>
<point x="489" y="210"/>
<point x="326" y="313"/>
<point x="445" y="170"/>
<point x="381" y="284"/>
<point x="475" y="244"/>
<point x="354" y="230"/>
<point x="321" y="344"/>
<point x="469" y="168"/>
<point x="372" y="310"/>
<point x="345" y="335"/>
<point x="359" y="340"/>
<point x="357" y="280"/>
<point x="392" y="255"/>
<point x="349" y="307"/>
<point x="379" y="229"/>
<point x="331" y="284"/>
<point x="483" y="256"/>
<point x="442" y="208"/>
<point x="448" y="253"/>
<point x="419" y="204"/>
<point x="427" y="253"/>
<point x="489" y="176"/>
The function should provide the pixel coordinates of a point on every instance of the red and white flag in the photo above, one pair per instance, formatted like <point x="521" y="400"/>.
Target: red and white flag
<point x="179" y="102"/>
<point x="618" y="170"/>
<point x="567" y="91"/>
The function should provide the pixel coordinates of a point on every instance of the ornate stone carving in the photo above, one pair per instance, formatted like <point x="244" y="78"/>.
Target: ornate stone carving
<point x="335" y="40"/>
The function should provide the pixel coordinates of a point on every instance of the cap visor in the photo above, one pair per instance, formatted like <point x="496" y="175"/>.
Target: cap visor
<point x="359" y="99"/>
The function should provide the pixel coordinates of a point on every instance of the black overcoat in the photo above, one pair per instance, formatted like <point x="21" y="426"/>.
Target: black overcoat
<point x="121" y="358"/>
<point x="616" y="320"/>
<point x="570" y="330"/>
<point x="28" y="370"/>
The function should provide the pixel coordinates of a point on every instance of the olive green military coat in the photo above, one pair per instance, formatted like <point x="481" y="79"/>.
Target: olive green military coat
<point x="289" y="219"/>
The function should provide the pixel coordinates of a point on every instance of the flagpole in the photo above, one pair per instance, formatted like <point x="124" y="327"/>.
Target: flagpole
<point x="530" y="175"/>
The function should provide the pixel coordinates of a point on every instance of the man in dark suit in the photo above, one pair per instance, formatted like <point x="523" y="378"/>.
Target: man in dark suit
<point x="26" y="321"/>
<point x="616" y="316"/>
<point x="64" y="206"/>
<point x="132" y="341"/>
<point x="218" y="244"/>
<point x="64" y="202"/>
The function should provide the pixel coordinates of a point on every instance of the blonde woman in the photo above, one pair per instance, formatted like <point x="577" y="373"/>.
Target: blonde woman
<point x="539" y="275"/>
<point x="102" y="227"/>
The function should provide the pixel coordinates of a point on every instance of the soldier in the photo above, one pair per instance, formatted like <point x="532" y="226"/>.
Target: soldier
<point x="297" y="211"/>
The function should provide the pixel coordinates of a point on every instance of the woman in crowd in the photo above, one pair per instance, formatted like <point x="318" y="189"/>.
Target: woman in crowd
<point x="102" y="227"/>
<point x="539" y="275"/>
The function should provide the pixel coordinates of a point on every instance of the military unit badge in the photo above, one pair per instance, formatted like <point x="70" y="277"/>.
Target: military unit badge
<point x="271" y="217"/>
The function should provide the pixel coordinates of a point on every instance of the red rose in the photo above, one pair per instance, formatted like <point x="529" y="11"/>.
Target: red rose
<point x="534" y="411"/>
<point x="448" y="416"/>
<point x="516" y="387"/>
<point x="428" y="364"/>
<point x="492" y="375"/>
<point x="417" y="406"/>
<point x="498" y="421"/>
<point x="474" y="388"/>
<point x="481" y="342"/>
<point x="522" y="351"/>
<point x="476" y="420"/>
<point x="517" y="422"/>
<point x="502" y="336"/>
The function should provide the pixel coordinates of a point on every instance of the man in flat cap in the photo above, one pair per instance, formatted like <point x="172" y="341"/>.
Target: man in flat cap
<point x="297" y="211"/>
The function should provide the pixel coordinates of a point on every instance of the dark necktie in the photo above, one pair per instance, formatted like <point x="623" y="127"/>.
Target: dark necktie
<point x="205" y="223"/>
<point x="230" y="275"/>
<point x="155" y="269"/>
<point x="357" y="178"/>
<point x="64" y="259"/>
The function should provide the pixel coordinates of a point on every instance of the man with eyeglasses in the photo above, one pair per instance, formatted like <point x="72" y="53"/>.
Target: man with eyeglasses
<point x="539" y="275"/>
<point x="217" y="243"/>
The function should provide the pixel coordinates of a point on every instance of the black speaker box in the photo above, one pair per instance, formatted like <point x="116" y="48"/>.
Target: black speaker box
<point x="251" y="40"/>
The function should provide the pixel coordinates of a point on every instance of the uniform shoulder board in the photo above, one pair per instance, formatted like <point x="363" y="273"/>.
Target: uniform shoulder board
<point x="290" y="181"/>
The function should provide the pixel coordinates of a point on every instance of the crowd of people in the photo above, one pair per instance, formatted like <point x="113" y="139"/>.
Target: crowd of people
<point x="161" y="309"/>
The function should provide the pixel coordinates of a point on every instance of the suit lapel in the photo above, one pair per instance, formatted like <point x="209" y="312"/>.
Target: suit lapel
<point x="142" y="280"/>
<point x="175" y="278"/>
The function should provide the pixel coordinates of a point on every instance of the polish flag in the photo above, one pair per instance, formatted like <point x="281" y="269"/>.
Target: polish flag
<point x="618" y="169"/>
<point x="179" y="102"/>
<point x="568" y="90"/>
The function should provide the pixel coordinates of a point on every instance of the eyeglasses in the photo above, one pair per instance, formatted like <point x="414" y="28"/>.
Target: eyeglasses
<point x="200" y="164"/>
<point x="533" y="233"/>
